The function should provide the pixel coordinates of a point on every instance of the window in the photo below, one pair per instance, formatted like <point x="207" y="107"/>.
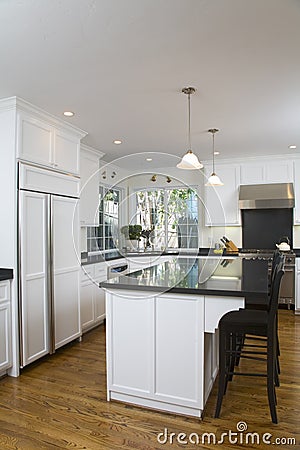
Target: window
<point x="104" y="237"/>
<point x="171" y="214"/>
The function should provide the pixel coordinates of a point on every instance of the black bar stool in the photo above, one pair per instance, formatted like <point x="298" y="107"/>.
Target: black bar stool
<point x="256" y="323"/>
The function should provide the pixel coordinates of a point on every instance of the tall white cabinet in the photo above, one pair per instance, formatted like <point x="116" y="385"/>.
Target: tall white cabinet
<point x="89" y="185"/>
<point x="50" y="262"/>
<point x="41" y="142"/>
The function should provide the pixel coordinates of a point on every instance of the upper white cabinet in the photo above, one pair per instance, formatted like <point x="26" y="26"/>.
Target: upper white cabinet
<point x="279" y="171"/>
<point x="89" y="185"/>
<point x="66" y="152"/>
<point x="252" y="173"/>
<point x="261" y="172"/>
<point x="35" y="140"/>
<point x="221" y="202"/>
<point x="297" y="195"/>
<point x="47" y="141"/>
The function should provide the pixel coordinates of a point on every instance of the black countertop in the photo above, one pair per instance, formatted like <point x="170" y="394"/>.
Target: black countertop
<point x="235" y="277"/>
<point x="6" y="274"/>
<point x="115" y="254"/>
<point x="101" y="257"/>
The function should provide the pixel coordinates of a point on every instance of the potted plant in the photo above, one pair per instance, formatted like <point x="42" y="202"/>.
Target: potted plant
<point x="133" y="234"/>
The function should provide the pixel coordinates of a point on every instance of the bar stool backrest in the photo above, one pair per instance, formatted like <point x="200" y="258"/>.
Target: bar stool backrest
<point x="275" y="260"/>
<point x="275" y="286"/>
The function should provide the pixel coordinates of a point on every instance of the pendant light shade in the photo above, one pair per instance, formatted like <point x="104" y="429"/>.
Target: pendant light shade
<point x="214" y="180"/>
<point x="189" y="160"/>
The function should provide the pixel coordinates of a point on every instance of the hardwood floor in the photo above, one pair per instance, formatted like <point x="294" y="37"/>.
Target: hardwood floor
<point x="61" y="403"/>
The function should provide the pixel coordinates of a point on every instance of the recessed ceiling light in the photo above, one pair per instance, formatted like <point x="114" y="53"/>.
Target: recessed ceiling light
<point x="216" y="153"/>
<point x="68" y="113"/>
<point x="117" y="142"/>
<point x="292" y="146"/>
<point x="148" y="159"/>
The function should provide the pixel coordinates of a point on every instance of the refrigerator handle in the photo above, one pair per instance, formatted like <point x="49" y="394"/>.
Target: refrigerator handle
<point x="50" y="277"/>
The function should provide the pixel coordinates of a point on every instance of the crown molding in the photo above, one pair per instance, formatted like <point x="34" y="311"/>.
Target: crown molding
<point x="92" y="150"/>
<point x="19" y="104"/>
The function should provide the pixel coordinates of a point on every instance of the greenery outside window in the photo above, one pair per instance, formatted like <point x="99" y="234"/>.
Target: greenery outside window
<point x="104" y="236"/>
<point x="171" y="214"/>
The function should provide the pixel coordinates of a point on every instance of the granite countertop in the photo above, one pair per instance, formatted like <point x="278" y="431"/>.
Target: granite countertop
<point x="236" y="277"/>
<point x="115" y="254"/>
<point x="101" y="257"/>
<point x="6" y="274"/>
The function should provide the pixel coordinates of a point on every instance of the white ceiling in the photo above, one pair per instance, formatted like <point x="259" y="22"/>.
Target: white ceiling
<point x="121" y="65"/>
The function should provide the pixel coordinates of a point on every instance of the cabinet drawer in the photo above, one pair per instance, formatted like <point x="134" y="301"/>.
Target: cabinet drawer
<point x="4" y="291"/>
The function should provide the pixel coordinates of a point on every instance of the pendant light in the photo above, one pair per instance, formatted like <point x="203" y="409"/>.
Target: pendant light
<point x="189" y="160"/>
<point x="214" y="180"/>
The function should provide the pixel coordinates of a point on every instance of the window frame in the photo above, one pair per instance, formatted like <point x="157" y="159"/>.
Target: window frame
<point x="105" y="188"/>
<point x="165" y="189"/>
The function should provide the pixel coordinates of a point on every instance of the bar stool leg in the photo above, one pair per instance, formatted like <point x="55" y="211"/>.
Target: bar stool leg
<point x="271" y="376"/>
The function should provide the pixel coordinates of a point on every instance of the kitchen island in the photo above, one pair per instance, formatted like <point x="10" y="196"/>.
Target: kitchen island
<point x="161" y="325"/>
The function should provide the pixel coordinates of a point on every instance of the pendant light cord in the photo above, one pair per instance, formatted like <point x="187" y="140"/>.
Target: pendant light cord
<point x="213" y="135"/>
<point x="189" y="122"/>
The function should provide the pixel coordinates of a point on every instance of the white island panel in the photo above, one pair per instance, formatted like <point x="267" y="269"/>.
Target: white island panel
<point x="132" y="331"/>
<point x="179" y="344"/>
<point x="158" y="352"/>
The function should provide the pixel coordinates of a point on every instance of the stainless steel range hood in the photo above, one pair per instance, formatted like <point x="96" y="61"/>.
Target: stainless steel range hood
<point x="264" y="196"/>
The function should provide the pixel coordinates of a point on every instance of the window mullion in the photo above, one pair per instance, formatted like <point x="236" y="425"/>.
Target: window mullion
<point x="166" y="218"/>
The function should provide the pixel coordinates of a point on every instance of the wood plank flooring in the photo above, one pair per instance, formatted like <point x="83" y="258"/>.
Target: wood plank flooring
<point x="61" y="403"/>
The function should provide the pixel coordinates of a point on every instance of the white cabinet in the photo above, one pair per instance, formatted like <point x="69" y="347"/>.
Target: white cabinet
<point x="279" y="171"/>
<point x="221" y="202"/>
<point x="92" y="297"/>
<point x="89" y="185"/>
<point x="154" y="350"/>
<point x="253" y="173"/>
<point x="158" y="352"/>
<point x="66" y="152"/>
<point x="35" y="140"/>
<point x="49" y="302"/>
<point x="262" y="172"/>
<point x="297" y="192"/>
<point x="34" y="292"/>
<point x="45" y="143"/>
<point x="5" y="326"/>
<point x="66" y="269"/>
